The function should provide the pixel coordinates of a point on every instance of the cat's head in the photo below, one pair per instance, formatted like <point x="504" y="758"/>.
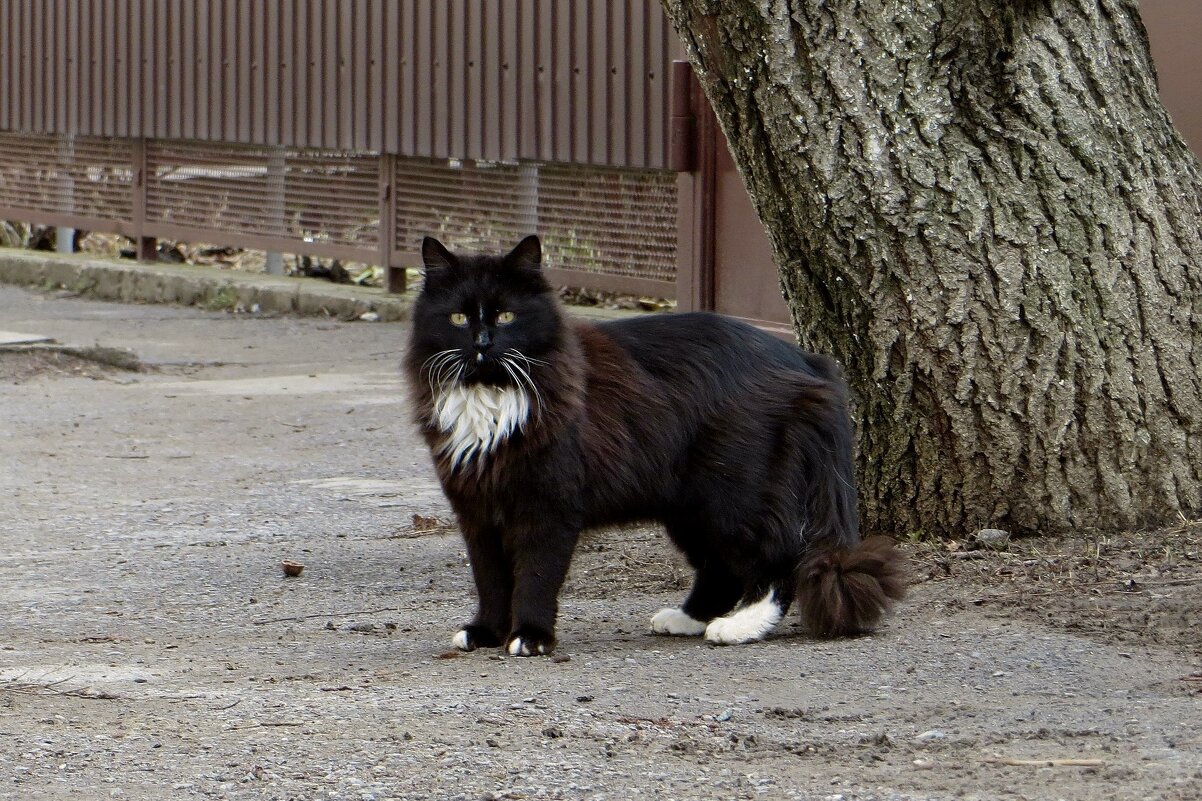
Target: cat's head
<point x="483" y="319"/>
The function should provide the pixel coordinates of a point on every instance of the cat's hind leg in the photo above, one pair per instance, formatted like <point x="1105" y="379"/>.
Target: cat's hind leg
<point x="753" y="618"/>
<point x="715" y="592"/>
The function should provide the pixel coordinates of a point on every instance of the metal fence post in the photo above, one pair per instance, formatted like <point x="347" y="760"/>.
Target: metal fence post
<point x="146" y="247"/>
<point x="394" y="275"/>
<point x="528" y="198"/>
<point x="694" y="139"/>
<point x="276" y="181"/>
<point x="64" y="237"/>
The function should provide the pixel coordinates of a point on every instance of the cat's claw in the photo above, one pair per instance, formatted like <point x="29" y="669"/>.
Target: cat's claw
<point x="469" y="638"/>
<point x="519" y="647"/>
<point x="530" y="643"/>
<point x="678" y="622"/>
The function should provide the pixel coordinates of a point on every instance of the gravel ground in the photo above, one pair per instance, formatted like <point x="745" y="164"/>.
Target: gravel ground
<point x="152" y="647"/>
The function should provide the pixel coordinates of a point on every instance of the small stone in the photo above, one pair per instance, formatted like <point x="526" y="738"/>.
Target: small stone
<point x="930" y="736"/>
<point x="584" y="699"/>
<point x="725" y="716"/>
<point x="362" y="628"/>
<point x="369" y="317"/>
<point x="992" y="538"/>
<point x="292" y="569"/>
<point x="552" y="732"/>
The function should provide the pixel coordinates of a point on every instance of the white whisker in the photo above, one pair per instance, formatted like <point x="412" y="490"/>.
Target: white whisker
<point x="528" y="359"/>
<point x="429" y="363"/>
<point x="508" y="368"/>
<point x="440" y="367"/>
<point x="521" y="376"/>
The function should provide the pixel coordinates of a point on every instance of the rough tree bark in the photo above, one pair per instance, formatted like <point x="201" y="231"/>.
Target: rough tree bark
<point x="982" y="209"/>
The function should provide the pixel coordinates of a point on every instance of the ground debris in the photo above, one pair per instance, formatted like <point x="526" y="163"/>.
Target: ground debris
<point x="1046" y="763"/>
<point x="1129" y="587"/>
<point x="52" y="688"/>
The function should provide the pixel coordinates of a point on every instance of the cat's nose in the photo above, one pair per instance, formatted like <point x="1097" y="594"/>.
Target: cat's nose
<point x="483" y="340"/>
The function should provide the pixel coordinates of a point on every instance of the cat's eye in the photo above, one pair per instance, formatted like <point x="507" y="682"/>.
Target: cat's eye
<point x="459" y="319"/>
<point x="505" y="318"/>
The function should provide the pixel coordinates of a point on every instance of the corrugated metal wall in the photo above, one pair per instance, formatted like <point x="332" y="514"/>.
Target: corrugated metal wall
<point x="576" y="81"/>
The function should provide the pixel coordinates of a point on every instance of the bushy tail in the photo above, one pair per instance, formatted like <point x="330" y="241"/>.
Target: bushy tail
<point x="847" y="590"/>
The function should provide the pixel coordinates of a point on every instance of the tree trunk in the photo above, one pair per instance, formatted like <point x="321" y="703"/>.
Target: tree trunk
<point x="981" y="208"/>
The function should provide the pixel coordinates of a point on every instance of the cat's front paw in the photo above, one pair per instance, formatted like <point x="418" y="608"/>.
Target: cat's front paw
<point x="530" y="641"/>
<point x="678" y="622"/>
<point x="471" y="637"/>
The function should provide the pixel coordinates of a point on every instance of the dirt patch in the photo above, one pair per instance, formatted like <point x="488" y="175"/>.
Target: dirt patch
<point x="1136" y="588"/>
<point x="22" y="364"/>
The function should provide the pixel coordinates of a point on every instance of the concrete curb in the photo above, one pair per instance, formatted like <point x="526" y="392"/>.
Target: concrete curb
<point x="215" y="289"/>
<point x="188" y="285"/>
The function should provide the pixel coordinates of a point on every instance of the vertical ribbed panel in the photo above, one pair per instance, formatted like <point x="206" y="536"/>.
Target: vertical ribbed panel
<point x="580" y="81"/>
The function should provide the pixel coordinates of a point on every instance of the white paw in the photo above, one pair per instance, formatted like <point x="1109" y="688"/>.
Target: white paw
<point x="746" y="624"/>
<point x="676" y="621"/>
<point x="519" y="647"/>
<point x="461" y="640"/>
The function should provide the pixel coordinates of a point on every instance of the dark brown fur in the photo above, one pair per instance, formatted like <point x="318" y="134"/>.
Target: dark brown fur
<point x="844" y="591"/>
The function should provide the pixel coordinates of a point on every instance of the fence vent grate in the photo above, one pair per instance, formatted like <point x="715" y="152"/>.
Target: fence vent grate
<point x="321" y="196"/>
<point x="602" y="227"/>
<point x="83" y="177"/>
<point x="596" y="220"/>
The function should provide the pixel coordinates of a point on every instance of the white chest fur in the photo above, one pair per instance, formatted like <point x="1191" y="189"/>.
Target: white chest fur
<point x="476" y="419"/>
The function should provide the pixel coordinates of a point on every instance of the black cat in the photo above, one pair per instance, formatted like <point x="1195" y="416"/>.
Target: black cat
<point x="737" y="442"/>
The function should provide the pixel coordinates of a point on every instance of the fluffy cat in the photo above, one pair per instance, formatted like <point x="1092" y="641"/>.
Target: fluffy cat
<point x="738" y="443"/>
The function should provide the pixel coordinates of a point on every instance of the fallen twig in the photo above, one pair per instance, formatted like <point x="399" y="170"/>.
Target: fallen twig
<point x="48" y="689"/>
<point x="324" y="614"/>
<point x="1047" y="763"/>
<point x="1171" y="582"/>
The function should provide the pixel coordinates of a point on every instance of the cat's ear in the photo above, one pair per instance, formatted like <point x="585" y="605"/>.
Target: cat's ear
<point x="436" y="257"/>
<point x="527" y="255"/>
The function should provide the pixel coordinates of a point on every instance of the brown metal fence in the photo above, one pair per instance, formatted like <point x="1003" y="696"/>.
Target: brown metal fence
<point x="83" y="181"/>
<point x="327" y="200"/>
<point x="603" y="228"/>
<point x="607" y="228"/>
<point x="578" y="81"/>
<point x="349" y="128"/>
